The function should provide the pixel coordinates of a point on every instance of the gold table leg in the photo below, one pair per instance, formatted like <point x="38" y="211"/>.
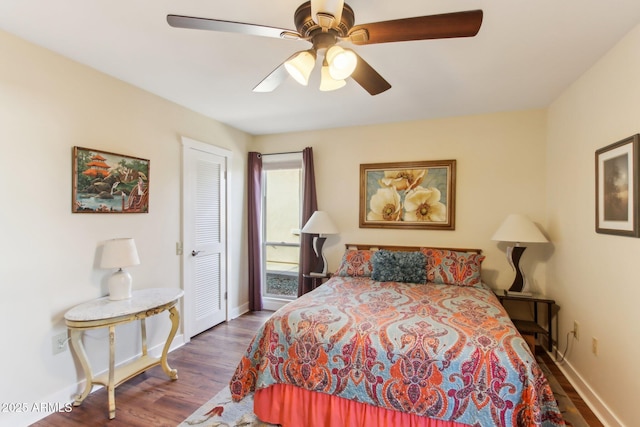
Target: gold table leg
<point x="174" y="315"/>
<point x="111" y="389"/>
<point x="78" y="347"/>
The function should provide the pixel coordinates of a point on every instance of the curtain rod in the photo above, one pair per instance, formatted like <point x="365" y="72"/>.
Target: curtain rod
<point x="275" y="154"/>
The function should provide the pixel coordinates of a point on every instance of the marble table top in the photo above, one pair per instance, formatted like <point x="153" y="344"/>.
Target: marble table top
<point x="104" y="308"/>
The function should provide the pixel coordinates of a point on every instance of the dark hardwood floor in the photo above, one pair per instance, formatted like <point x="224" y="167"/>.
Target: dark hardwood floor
<point x="204" y="366"/>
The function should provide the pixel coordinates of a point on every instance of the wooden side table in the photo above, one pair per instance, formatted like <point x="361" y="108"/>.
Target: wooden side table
<point x="529" y="327"/>
<point x="104" y="313"/>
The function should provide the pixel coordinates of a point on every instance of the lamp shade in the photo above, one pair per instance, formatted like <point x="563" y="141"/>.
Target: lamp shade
<point x="327" y="83"/>
<point x="300" y="65"/>
<point x="320" y="223"/>
<point x="342" y="62"/>
<point x="119" y="253"/>
<point x="520" y="229"/>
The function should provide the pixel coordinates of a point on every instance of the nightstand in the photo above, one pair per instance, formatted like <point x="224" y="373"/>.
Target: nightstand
<point x="316" y="280"/>
<point x="528" y="327"/>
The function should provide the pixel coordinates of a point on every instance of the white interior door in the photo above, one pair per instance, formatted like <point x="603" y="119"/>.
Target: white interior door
<point x="205" y="257"/>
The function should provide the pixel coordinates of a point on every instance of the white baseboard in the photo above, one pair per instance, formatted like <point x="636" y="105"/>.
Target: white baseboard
<point x="62" y="400"/>
<point x="269" y="304"/>
<point x="590" y="397"/>
<point x="236" y="312"/>
<point x="274" y="304"/>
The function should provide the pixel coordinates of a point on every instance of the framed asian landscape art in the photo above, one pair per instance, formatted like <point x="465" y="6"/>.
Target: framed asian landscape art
<point x="411" y="195"/>
<point x="617" y="188"/>
<point x="105" y="182"/>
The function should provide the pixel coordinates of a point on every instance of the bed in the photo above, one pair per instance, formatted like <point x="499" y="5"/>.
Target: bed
<point x="398" y="336"/>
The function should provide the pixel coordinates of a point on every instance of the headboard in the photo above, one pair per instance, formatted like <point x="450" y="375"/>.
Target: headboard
<point x="361" y="246"/>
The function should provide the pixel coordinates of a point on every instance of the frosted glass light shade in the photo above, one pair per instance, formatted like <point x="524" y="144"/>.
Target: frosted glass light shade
<point x="342" y="62"/>
<point x="327" y="83"/>
<point x="300" y="66"/>
<point x="320" y="223"/>
<point x="520" y="229"/>
<point x="329" y="7"/>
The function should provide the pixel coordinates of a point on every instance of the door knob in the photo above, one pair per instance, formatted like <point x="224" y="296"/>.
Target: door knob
<point x="194" y="253"/>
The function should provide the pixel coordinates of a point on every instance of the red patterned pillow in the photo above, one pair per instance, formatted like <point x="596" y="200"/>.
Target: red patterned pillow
<point x="452" y="267"/>
<point x="355" y="263"/>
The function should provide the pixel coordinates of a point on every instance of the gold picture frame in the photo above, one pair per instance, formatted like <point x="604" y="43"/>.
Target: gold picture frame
<point x="617" y="188"/>
<point x="105" y="182"/>
<point x="409" y="195"/>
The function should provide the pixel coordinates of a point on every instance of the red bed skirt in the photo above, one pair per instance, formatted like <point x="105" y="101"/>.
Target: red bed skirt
<point x="292" y="406"/>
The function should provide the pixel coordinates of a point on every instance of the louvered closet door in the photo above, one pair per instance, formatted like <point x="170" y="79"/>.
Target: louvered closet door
<point x="205" y="247"/>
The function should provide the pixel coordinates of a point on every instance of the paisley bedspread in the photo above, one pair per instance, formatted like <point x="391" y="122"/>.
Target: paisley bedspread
<point x="440" y="351"/>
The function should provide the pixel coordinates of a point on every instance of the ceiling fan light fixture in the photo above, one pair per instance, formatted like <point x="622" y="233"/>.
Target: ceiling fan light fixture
<point x="327" y="83"/>
<point x="325" y="20"/>
<point x="300" y="65"/>
<point x="324" y="23"/>
<point x="342" y="62"/>
<point x="332" y="8"/>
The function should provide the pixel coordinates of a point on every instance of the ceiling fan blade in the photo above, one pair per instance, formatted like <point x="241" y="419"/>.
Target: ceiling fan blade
<point x="194" y="23"/>
<point x="369" y="78"/>
<point x="448" y="25"/>
<point x="273" y="80"/>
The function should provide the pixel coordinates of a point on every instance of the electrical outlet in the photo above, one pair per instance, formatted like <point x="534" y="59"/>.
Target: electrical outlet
<point x="576" y="329"/>
<point x="59" y="343"/>
<point x="594" y="345"/>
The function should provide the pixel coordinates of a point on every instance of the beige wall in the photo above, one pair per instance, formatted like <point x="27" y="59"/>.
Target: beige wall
<point x="49" y="104"/>
<point x="595" y="276"/>
<point x="500" y="170"/>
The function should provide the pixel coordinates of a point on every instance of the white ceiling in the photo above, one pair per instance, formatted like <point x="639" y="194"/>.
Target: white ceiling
<point x="525" y="54"/>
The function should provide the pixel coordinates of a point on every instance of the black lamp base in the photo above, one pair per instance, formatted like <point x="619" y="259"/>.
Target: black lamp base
<point x="321" y="266"/>
<point x="519" y="285"/>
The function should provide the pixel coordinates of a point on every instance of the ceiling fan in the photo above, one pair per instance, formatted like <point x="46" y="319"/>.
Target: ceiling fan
<point x="325" y="24"/>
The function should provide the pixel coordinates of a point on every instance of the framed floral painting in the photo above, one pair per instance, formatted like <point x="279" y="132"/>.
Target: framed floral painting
<point x="105" y="182"/>
<point x="411" y="195"/>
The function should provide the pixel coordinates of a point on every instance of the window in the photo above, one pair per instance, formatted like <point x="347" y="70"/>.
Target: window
<point x="282" y="196"/>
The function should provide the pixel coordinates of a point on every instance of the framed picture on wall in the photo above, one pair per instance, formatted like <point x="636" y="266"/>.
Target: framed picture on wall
<point x="410" y="195"/>
<point x="105" y="182"/>
<point x="617" y="188"/>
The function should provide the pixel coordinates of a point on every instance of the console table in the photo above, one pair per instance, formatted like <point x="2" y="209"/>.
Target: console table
<point x="104" y="313"/>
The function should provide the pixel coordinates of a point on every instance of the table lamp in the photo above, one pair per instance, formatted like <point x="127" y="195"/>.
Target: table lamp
<point x="119" y="253"/>
<point x="518" y="229"/>
<point x="320" y="223"/>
